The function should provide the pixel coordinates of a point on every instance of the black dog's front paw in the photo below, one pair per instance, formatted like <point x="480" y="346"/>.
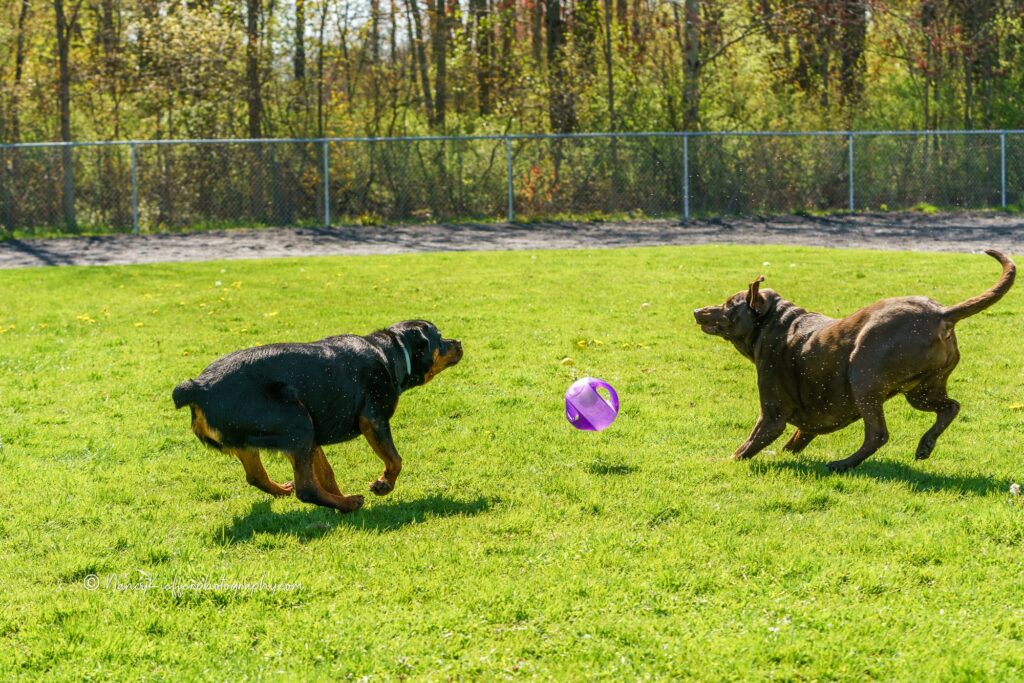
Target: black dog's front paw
<point x="381" y="487"/>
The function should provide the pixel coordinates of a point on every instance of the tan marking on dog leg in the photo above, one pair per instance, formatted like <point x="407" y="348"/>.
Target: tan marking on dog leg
<point x="309" y="490"/>
<point x="256" y="474"/>
<point x="323" y="472"/>
<point x="202" y="427"/>
<point x="380" y="440"/>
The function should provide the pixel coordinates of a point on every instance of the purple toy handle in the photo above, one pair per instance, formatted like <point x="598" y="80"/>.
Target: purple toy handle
<point x="600" y="383"/>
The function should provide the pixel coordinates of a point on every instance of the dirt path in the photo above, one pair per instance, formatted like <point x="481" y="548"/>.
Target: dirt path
<point x="968" y="231"/>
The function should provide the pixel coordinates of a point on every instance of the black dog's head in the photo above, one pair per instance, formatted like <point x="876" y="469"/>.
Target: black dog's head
<point x="429" y="352"/>
<point x="736" y="319"/>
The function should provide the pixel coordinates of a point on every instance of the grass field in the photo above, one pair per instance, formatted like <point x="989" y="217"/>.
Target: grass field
<point x="513" y="546"/>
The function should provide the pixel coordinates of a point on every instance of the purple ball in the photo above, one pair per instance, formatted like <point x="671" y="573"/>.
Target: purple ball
<point x="588" y="410"/>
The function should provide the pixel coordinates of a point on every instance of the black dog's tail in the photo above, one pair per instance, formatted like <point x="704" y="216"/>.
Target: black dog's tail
<point x="185" y="393"/>
<point x="976" y="304"/>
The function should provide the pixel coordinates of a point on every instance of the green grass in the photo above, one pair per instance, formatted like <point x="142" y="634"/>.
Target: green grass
<point x="513" y="546"/>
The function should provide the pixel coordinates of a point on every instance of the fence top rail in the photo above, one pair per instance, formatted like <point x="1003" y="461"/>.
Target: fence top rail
<point x="509" y="137"/>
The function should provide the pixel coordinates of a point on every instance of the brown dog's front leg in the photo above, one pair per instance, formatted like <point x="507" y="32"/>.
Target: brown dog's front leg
<point x="765" y="431"/>
<point x="378" y="433"/>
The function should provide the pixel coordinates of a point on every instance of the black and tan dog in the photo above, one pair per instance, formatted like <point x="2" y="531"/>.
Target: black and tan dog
<point x="296" y="398"/>
<point x="821" y="374"/>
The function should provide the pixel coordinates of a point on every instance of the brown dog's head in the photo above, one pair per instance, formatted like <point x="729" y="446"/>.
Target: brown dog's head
<point x="736" y="319"/>
<point x="429" y="352"/>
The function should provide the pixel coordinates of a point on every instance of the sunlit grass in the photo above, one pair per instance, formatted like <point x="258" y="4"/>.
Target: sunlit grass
<point x="513" y="546"/>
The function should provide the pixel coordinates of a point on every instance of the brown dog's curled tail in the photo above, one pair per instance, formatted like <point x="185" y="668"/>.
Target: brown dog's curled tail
<point x="185" y="393"/>
<point x="976" y="304"/>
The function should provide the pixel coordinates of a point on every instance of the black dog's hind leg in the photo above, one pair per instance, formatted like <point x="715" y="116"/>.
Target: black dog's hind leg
<point x="308" y="488"/>
<point x="324" y="473"/>
<point x="289" y="429"/>
<point x="378" y="433"/>
<point x="256" y="474"/>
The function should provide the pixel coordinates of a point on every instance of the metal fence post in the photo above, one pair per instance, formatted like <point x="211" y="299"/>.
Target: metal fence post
<point x="327" y="183"/>
<point x="1002" y="169"/>
<point x="686" y="176"/>
<point x="135" y="189"/>
<point x="849" y="155"/>
<point x="511" y="195"/>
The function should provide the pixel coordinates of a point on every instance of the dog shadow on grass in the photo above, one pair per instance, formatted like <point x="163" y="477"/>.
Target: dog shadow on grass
<point x="914" y="476"/>
<point x="313" y="522"/>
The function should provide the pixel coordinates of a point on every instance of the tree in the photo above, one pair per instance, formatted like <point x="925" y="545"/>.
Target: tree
<point x="561" y="107"/>
<point x="253" y="89"/>
<point x="65" y="26"/>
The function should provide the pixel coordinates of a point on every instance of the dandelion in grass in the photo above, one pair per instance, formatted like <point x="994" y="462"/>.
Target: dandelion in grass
<point x="1015" y="490"/>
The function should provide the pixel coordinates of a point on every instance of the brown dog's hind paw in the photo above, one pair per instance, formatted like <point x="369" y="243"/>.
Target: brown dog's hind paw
<point x="381" y="487"/>
<point x="351" y="503"/>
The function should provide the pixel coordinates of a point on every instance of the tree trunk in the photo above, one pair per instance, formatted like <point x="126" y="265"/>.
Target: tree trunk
<point x="375" y="31"/>
<point x="483" y="39"/>
<point x="609" y="64"/>
<point x="421" y="56"/>
<point x="254" y="95"/>
<point x="64" y="28"/>
<point x="691" y="66"/>
<point x="537" y="34"/>
<point x="8" y="214"/>
<point x="440" y="62"/>
<point x="19" y="69"/>
<point x="299" y="58"/>
<point x="321" y="48"/>
<point x="561" y="112"/>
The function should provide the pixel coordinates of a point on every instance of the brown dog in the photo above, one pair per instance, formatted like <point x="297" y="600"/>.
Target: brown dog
<point x="821" y="374"/>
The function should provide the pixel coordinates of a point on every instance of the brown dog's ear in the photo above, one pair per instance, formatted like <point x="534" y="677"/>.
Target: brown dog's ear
<point x="754" y="298"/>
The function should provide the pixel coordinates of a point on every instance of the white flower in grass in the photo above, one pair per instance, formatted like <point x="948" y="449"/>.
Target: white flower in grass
<point x="1014" y="489"/>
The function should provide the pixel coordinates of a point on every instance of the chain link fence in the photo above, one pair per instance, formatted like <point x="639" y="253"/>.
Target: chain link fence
<point x="154" y="186"/>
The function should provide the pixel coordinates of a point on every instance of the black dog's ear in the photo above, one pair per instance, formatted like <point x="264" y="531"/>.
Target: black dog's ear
<point x="754" y="298"/>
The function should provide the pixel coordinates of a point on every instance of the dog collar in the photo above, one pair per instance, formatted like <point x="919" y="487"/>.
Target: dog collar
<point x="408" y="365"/>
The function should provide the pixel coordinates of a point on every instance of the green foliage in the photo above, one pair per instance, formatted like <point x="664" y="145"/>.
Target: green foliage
<point x="165" y="69"/>
<point x="513" y="545"/>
